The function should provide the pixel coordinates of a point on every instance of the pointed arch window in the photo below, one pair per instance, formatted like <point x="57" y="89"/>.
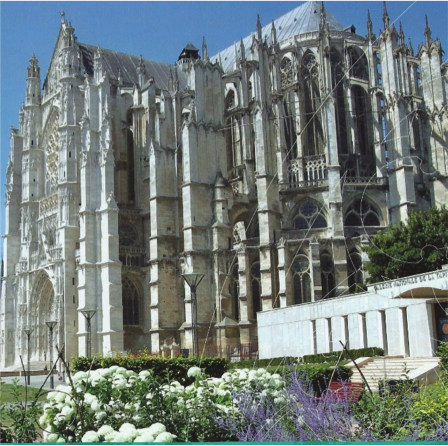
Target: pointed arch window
<point x="255" y="281"/>
<point x="310" y="216"/>
<point x="130" y="157"/>
<point x="359" y="67"/>
<point x="354" y="269"/>
<point x="361" y="213"/>
<point x="230" y="99"/>
<point x="289" y="116"/>
<point x="327" y="275"/>
<point x="131" y="303"/>
<point x="235" y="291"/>
<point x="301" y="279"/>
<point x="362" y="111"/>
<point x="314" y="133"/>
<point x="337" y="76"/>
<point x="234" y="147"/>
<point x="286" y="72"/>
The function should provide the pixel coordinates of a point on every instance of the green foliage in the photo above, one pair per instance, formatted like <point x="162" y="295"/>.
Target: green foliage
<point x="386" y="417"/>
<point x="263" y="363"/>
<point x="333" y="356"/>
<point x="430" y="409"/>
<point x="319" y="375"/>
<point x="418" y="246"/>
<point x="442" y="353"/>
<point x="168" y="369"/>
<point x="20" y="416"/>
<point x="400" y="412"/>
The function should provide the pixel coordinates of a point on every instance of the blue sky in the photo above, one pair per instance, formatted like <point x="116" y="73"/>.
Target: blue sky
<point x="159" y="31"/>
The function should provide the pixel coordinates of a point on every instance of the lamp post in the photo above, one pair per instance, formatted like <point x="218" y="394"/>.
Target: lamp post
<point x="88" y="314"/>
<point x="51" y="325"/>
<point x="28" y="332"/>
<point x="193" y="280"/>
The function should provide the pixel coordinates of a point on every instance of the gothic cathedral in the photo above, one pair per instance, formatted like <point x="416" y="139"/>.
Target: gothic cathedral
<point x="265" y="168"/>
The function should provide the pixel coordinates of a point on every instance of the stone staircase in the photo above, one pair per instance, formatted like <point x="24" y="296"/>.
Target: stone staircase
<point x="374" y="369"/>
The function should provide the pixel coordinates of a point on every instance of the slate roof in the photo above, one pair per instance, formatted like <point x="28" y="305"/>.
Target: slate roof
<point x="114" y="61"/>
<point x="305" y="18"/>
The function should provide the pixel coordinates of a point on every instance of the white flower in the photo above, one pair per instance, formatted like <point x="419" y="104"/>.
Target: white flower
<point x="144" y="374"/>
<point x="52" y="438"/>
<point x="90" y="437"/>
<point x="194" y="371"/>
<point x="127" y="427"/>
<point x="61" y="440"/>
<point x="124" y="437"/>
<point x="79" y="376"/>
<point x="110" y="436"/>
<point x="156" y="429"/>
<point x="100" y="416"/>
<point x="105" y="429"/>
<point x="165" y="437"/>
<point x="144" y="438"/>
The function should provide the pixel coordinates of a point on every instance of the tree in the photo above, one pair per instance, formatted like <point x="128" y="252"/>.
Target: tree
<point x="417" y="246"/>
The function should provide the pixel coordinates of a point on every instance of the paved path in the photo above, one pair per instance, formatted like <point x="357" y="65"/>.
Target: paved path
<point x="36" y="381"/>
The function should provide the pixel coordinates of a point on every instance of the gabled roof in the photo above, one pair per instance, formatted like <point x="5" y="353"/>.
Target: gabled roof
<point x="303" y="19"/>
<point x="113" y="62"/>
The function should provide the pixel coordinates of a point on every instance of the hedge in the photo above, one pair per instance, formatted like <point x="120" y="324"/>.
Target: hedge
<point x="167" y="369"/>
<point x="263" y="363"/>
<point x="334" y="356"/>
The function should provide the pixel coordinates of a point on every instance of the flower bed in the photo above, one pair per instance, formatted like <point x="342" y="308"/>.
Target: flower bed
<point x="118" y="405"/>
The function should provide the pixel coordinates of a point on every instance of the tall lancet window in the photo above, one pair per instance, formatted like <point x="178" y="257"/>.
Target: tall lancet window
<point x="327" y="275"/>
<point x="289" y="124"/>
<point x="354" y="269"/>
<point x="301" y="279"/>
<point x="359" y="67"/>
<point x="337" y="80"/>
<point x="130" y="157"/>
<point x="131" y="303"/>
<point x="313" y="128"/>
<point x="233" y="137"/>
<point x="362" y="115"/>
<point x="255" y="281"/>
<point x="235" y="291"/>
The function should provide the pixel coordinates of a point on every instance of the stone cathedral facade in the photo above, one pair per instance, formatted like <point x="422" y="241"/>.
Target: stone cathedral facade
<point x="266" y="168"/>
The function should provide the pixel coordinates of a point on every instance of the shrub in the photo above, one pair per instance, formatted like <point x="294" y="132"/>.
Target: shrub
<point x="442" y="353"/>
<point x="334" y="356"/>
<point x="168" y="369"/>
<point x="318" y="375"/>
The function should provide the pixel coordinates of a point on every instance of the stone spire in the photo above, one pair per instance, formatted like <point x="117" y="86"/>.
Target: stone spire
<point x="401" y="35"/>
<point x="205" y="57"/>
<point x="259" y="29"/>
<point x="98" y="64"/>
<point x="236" y="58"/>
<point x="242" y="51"/>
<point x="62" y="17"/>
<point x="33" y="67"/>
<point x="428" y="32"/>
<point x="141" y="71"/>
<point x="411" y="49"/>
<point x="386" y="19"/>
<point x="323" y="15"/>
<point x="273" y="34"/>
<point x="369" y="25"/>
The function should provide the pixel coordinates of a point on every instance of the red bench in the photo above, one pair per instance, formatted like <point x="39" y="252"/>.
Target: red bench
<point x="343" y="391"/>
<point x="346" y="391"/>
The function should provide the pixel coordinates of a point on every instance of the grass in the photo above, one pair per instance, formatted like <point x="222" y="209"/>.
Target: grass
<point x="10" y="393"/>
